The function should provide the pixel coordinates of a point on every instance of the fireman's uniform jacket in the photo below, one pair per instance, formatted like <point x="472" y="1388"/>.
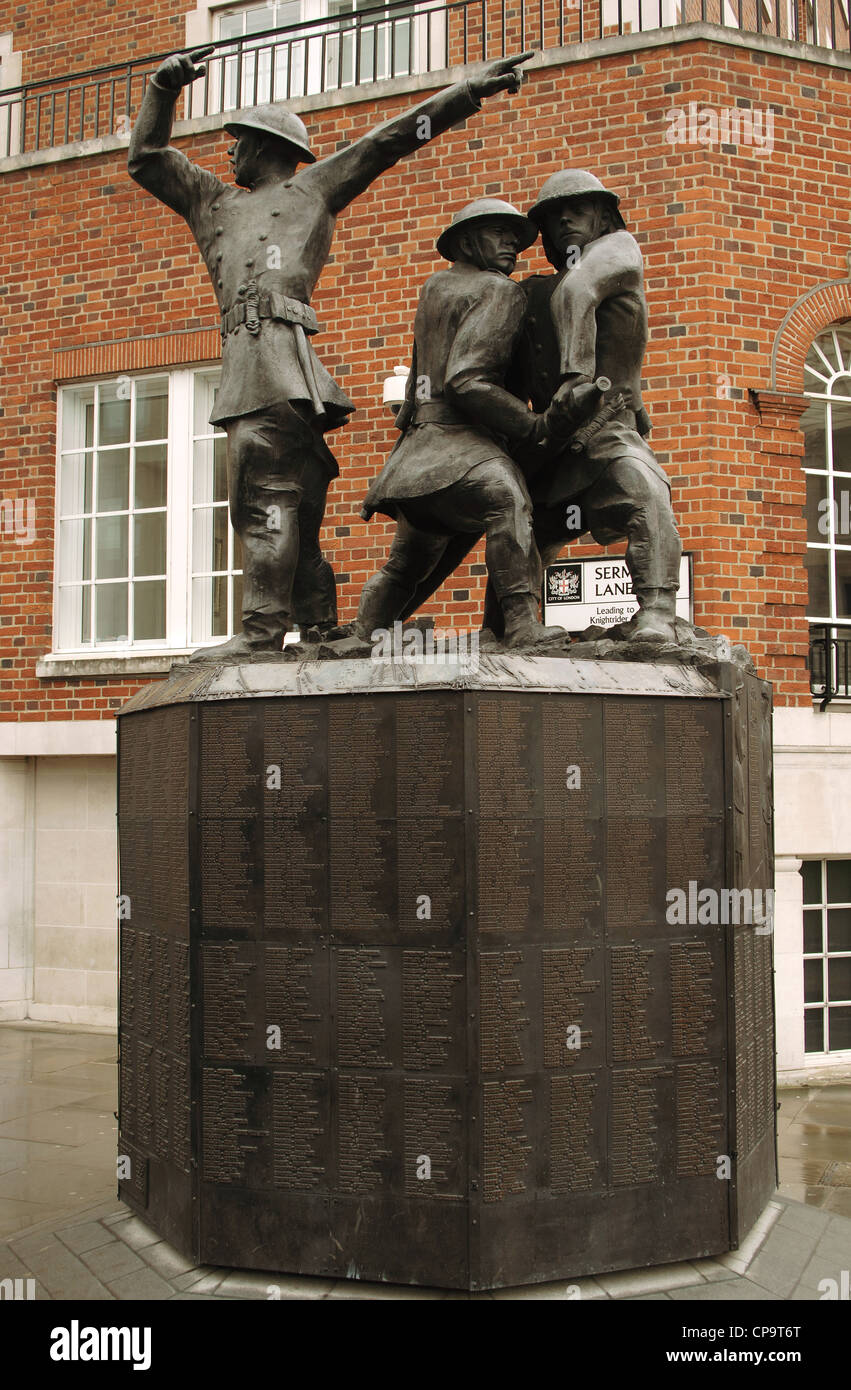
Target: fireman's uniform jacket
<point x="590" y="319"/>
<point x="457" y="412"/>
<point x="265" y="249"/>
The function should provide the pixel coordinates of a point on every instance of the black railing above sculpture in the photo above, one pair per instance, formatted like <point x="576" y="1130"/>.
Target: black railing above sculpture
<point x="394" y="40"/>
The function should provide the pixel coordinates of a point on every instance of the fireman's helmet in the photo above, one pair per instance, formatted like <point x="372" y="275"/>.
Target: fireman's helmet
<point x="274" y="119"/>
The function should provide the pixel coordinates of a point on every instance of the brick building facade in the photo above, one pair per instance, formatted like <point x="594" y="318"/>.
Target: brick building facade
<point x="730" y="150"/>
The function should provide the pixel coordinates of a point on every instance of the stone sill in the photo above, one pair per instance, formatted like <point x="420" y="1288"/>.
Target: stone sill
<point x="429" y="81"/>
<point x="110" y="664"/>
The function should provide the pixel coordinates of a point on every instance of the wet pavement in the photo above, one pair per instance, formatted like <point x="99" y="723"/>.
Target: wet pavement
<point x="62" y="1226"/>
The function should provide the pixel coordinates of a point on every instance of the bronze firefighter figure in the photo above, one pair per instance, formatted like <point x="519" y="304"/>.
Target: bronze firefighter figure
<point x="265" y="243"/>
<point x="589" y="320"/>
<point x="451" y="476"/>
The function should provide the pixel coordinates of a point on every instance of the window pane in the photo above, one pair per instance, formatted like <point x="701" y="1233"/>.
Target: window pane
<point x="150" y="482"/>
<point x="839" y="929"/>
<point x="111" y="613"/>
<point x="149" y="542"/>
<point x="230" y="25"/>
<point x="840" y="1029"/>
<point x="256" y="20"/>
<point x="152" y="408"/>
<point x="813" y="1030"/>
<point x="818" y="605"/>
<point x="818" y="521"/>
<point x="78" y="414"/>
<point x="210" y="479"/>
<point x="113" y="480"/>
<point x="114" y="413"/>
<point x="839" y="979"/>
<point x="811" y="874"/>
<point x="237" y="552"/>
<point x="209" y="539"/>
<point x="841" y="423"/>
<point x="813" y="982"/>
<point x="75" y="550"/>
<point x="111" y="552"/>
<point x="841" y="512"/>
<point x="839" y="880"/>
<point x="75" y="484"/>
<point x="205" y="386"/>
<point x="843" y="583"/>
<point x="209" y="608"/>
<point x="812" y="933"/>
<point x="149" y="610"/>
<point x="74" y="626"/>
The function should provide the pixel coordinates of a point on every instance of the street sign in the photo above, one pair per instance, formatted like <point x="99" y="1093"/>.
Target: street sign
<point x="578" y="593"/>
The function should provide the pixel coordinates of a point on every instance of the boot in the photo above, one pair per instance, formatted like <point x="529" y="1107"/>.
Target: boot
<point x="522" y="628"/>
<point x="656" y="617"/>
<point x="239" y="647"/>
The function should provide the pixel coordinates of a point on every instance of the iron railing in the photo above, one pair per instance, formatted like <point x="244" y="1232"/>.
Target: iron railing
<point x="830" y="663"/>
<point x="393" y="40"/>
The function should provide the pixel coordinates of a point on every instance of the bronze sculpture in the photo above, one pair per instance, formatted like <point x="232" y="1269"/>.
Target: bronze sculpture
<point x="586" y="320"/>
<point x="264" y="244"/>
<point x="451" y="477"/>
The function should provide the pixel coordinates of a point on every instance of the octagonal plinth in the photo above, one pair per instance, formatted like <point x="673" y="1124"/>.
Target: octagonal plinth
<point x="403" y="995"/>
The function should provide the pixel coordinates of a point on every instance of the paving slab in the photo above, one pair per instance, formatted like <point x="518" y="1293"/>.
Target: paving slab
<point x="110" y="1262"/>
<point x="87" y="1236"/>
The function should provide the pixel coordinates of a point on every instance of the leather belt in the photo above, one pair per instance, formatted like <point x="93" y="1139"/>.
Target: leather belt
<point x="438" y="413"/>
<point x="272" y="306"/>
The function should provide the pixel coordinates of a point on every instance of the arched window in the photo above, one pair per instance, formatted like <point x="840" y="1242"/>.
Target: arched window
<point x="827" y="464"/>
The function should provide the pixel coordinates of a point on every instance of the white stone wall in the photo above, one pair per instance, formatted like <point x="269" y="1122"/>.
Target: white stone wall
<point x="17" y="783"/>
<point x="58" y="851"/>
<point x="75" y="888"/>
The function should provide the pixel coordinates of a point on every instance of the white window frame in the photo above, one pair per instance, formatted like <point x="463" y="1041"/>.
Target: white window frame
<point x="180" y="508"/>
<point x="824" y="905"/>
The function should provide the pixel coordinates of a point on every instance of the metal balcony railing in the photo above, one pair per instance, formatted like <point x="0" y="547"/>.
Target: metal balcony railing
<point x="830" y="663"/>
<point x="393" y="40"/>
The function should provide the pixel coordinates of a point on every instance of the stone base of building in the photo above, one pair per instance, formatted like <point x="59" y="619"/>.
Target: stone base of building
<point x="434" y="975"/>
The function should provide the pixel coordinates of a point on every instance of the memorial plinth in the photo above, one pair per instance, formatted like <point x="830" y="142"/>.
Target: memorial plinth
<point x="401" y="995"/>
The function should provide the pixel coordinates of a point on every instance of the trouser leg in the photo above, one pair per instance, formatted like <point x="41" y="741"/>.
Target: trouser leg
<point x="628" y="500"/>
<point x="265" y="461"/>
<point x="413" y="555"/>
<point x="314" y="597"/>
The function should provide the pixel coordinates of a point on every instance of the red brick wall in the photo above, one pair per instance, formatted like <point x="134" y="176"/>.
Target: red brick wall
<point x="730" y="239"/>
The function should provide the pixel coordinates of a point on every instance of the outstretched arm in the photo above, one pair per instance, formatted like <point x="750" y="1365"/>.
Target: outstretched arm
<point x="151" y="161"/>
<point x="346" y="174"/>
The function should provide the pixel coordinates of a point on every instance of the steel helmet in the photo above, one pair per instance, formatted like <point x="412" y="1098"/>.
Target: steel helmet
<point x="573" y="183"/>
<point x="274" y="119"/>
<point x="484" y="210"/>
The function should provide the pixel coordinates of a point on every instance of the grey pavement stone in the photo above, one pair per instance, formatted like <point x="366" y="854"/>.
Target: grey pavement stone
<point x="64" y="1276"/>
<point x="166" y="1260"/>
<point x="740" y="1289"/>
<point x="109" y="1262"/>
<point x="646" y="1297"/>
<point x="142" y="1284"/>
<point x="201" y="1280"/>
<point x="136" y="1234"/>
<point x="782" y="1260"/>
<point x="712" y="1271"/>
<point x="26" y="1246"/>
<point x="820" y="1268"/>
<point x="807" y="1219"/>
<point x="11" y="1267"/>
<point x="196" y="1298"/>
<point x="87" y="1236"/>
<point x="629" y="1283"/>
